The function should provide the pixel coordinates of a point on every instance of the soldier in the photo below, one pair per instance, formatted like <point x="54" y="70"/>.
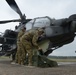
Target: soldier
<point x="18" y="54"/>
<point x="28" y="39"/>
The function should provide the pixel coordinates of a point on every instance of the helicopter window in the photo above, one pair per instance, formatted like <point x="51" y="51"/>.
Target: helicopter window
<point x="42" y="22"/>
<point x="29" y="24"/>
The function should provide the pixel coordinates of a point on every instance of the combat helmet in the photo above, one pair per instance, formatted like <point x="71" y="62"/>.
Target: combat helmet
<point x="40" y="30"/>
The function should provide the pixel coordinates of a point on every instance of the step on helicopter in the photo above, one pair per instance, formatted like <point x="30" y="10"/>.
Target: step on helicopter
<point x="58" y="32"/>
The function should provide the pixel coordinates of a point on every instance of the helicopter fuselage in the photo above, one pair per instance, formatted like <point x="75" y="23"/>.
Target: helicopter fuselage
<point x="58" y="32"/>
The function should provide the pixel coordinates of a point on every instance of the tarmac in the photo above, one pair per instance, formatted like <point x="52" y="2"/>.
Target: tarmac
<point x="64" y="68"/>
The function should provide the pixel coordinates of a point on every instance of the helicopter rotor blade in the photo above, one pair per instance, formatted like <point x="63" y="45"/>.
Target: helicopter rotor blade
<point x="7" y="21"/>
<point x="15" y="7"/>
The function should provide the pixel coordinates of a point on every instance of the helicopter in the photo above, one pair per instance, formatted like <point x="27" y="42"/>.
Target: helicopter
<point x="55" y="31"/>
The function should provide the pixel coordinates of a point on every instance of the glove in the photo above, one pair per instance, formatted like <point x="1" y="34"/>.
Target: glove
<point x="39" y="48"/>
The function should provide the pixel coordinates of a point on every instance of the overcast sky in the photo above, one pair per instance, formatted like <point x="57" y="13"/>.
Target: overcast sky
<point x="38" y="8"/>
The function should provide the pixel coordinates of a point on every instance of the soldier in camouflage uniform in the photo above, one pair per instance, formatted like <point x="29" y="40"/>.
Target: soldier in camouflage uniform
<point x="28" y="39"/>
<point x="18" y="54"/>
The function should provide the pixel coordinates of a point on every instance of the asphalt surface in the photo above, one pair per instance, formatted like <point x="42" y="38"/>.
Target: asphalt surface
<point x="6" y="68"/>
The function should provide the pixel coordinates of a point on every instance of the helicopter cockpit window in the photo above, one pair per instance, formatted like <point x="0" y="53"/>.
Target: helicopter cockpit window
<point x="42" y="22"/>
<point x="29" y="24"/>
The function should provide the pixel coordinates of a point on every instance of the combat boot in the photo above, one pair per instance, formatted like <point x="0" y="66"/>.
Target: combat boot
<point x="22" y="63"/>
<point x="30" y="64"/>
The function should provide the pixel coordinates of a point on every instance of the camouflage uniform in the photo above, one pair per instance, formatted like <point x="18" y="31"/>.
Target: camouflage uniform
<point x="27" y="40"/>
<point x="19" y="52"/>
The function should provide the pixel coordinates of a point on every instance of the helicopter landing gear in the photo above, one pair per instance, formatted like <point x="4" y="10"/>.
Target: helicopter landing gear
<point x="48" y="52"/>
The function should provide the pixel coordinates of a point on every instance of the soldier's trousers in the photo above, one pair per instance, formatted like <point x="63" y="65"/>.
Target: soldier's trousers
<point x="28" y="47"/>
<point x="20" y="55"/>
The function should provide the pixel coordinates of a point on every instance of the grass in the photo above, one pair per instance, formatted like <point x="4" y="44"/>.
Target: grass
<point x="54" y="59"/>
<point x="64" y="60"/>
<point x="4" y="57"/>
